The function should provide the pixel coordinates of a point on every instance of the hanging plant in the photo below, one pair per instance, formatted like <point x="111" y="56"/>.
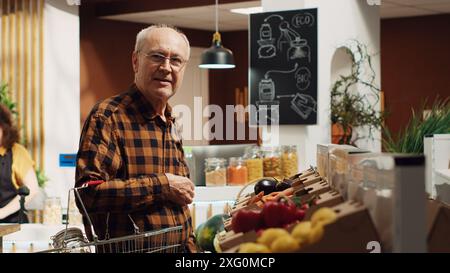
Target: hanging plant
<point x="351" y="108"/>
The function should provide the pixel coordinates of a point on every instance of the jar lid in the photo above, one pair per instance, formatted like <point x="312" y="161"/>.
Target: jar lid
<point x="289" y="147"/>
<point x="211" y="160"/>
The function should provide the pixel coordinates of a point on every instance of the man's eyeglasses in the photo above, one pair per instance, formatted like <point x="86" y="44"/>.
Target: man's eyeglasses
<point x="157" y="58"/>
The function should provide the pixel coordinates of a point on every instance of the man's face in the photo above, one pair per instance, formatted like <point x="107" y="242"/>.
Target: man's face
<point x="155" y="75"/>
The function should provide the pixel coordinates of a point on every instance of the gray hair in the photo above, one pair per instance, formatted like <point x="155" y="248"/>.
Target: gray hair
<point x="143" y="34"/>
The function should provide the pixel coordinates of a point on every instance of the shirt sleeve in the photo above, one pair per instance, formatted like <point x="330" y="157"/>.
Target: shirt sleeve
<point x="22" y="162"/>
<point x="99" y="158"/>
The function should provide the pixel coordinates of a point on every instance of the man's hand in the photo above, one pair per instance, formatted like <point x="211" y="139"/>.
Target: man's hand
<point x="181" y="189"/>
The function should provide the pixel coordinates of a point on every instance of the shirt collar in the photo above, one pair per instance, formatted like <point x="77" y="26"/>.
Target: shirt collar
<point x="145" y="107"/>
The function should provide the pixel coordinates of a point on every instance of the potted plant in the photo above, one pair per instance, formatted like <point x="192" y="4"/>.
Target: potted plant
<point x="410" y="138"/>
<point x="351" y="107"/>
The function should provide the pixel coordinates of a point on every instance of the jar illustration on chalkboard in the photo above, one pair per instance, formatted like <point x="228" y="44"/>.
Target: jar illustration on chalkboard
<point x="266" y="86"/>
<point x="299" y="49"/>
<point x="266" y="90"/>
<point x="266" y="48"/>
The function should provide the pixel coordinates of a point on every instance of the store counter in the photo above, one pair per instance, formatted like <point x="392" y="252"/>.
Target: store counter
<point x="6" y="229"/>
<point x="31" y="238"/>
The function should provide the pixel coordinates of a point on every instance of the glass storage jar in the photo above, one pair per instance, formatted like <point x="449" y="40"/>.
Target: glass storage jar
<point x="215" y="172"/>
<point x="289" y="160"/>
<point x="75" y="217"/>
<point x="237" y="172"/>
<point x="190" y="161"/>
<point x="272" y="162"/>
<point x="52" y="211"/>
<point x="254" y="163"/>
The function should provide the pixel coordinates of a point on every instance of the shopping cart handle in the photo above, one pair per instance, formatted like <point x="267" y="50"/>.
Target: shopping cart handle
<point x="93" y="183"/>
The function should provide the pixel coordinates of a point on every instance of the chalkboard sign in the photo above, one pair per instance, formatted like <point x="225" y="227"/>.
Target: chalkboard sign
<point x="283" y="67"/>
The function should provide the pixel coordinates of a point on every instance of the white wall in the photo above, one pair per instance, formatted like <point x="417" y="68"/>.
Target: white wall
<point x="62" y="93"/>
<point x="338" y="21"/>
<point x="195" y="84"/>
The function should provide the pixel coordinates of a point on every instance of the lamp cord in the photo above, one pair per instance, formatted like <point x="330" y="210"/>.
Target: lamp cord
<point x="217" y="15"/>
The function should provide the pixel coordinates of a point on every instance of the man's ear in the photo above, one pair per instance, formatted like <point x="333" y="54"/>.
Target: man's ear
<point x="135" y="61"/>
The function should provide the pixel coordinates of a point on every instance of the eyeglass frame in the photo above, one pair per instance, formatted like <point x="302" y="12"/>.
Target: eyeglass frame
<point x="163" y="59"/>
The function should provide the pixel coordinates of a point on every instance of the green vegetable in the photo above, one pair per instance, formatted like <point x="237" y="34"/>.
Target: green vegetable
<point x="206" y="232"/>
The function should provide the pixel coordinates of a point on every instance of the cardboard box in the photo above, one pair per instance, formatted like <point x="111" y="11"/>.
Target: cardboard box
<point x="231" y="241"/>
<point x="442" y="185"/>
<point x="327" y="199"/>
<point x="307" y="192"/>
<point x="352" y="232"/>
<point x="438" y="219"/>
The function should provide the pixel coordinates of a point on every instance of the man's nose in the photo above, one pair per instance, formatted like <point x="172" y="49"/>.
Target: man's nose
<point x="166" y="65"/>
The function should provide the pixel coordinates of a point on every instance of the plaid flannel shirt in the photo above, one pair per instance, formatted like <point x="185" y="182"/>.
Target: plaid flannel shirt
<point x="127" y="145"/>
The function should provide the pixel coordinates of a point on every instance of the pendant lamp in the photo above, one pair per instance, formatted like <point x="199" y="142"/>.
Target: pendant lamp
<point x="217" y="56"/>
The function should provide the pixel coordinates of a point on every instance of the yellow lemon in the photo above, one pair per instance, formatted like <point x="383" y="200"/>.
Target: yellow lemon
<point x="324" y="216"/>
<point x="285" y="243"/>
<point x="301" y="231"/>
<point x="316" y="233"/>
<point x="217" y="244"/>
<point x="253" y="248"/>
<point x="269" y="235"/>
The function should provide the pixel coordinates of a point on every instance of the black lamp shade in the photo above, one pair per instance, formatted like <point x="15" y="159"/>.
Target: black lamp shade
<point x="217" y="57"/>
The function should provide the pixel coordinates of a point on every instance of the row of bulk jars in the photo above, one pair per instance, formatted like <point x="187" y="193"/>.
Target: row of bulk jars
<point x="215" y="172"/>
<point x="272" y="162"/>
<point x="237" y="172"/>
<point x="289" y="160"/>
<point x="254" y="162"/>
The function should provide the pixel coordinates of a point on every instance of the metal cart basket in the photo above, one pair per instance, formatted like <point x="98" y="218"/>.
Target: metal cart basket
<point x="72" y="239"/>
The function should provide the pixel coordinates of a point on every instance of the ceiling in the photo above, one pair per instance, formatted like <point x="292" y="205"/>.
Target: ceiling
<point x="409" y="8"/>
<point x="203" y="17"/>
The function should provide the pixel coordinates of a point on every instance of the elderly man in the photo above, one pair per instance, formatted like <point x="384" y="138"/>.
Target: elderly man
<point x="129" y="143"/>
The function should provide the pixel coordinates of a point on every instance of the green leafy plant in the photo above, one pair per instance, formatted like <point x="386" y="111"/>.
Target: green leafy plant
<point x="5" y="99"/>
<point x="350" y="107"/>
<point x="42" y="179"/>
<point x="410" y="138"/>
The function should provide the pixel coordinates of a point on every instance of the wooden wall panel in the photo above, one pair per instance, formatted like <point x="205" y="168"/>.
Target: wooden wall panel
<point x="22" y="68"/>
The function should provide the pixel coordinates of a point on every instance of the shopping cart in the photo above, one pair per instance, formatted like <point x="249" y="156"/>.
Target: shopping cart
<point x="73" y="240"/>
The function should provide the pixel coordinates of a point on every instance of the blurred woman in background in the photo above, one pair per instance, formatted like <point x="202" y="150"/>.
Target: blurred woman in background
<point x="16" y="170"/>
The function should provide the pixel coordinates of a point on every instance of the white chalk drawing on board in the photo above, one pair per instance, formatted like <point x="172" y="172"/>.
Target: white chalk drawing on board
<point x="297" y="47"/>
<point x="303" y="78"/>
<point x="266" y="42"/>
<point x="287" y="35"/>
<point x="302" y="104"/>
<point x="266" y="87"/>
<point x="302" y="19"/>
<point x="273" y="15"/>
